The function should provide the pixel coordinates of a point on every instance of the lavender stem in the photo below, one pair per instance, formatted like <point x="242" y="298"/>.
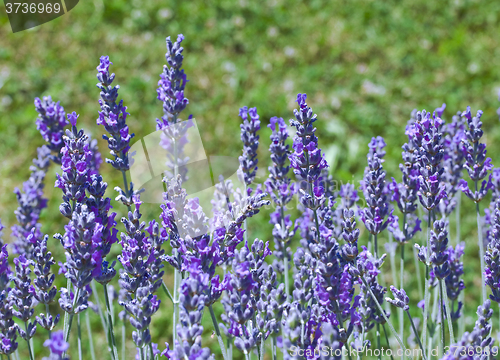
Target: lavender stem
<point x="114" y="351"/>
<point x="441" y="308"/>
<point x="448" y="315"/>
<point x="481" y="248"/>
<point x="416" y="335"/>
<point x="27" y="341"/>
<point x="217" y="332"/>
<point x="384" y="316"/>
<point x="79" y="327"/>
<point x="89" y="332"/>
<point x="427" y="293"/>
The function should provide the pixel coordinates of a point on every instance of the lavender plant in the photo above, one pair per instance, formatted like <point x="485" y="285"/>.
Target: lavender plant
<point x="338" y="290"/>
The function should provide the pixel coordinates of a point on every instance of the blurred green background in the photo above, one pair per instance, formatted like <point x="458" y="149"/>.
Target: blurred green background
<point x="364" y="65"/>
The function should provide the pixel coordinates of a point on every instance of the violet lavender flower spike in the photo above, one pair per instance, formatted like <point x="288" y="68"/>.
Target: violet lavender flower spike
<point x="75" y="166"/>
<point x="192" y="302"/>
<point x="401" y="300"/>
<point x="31" y="203"/>
<point x="57" y="346"/>
<point x="374" y="215"/>
<point x="478" y="343"/>
<point x="51" y="122"/>
<point x="45" y="292"/>
<point x="138" y="280"/>
<point x="8" y="328"/>
<point x="172" y="83"/>
<point x="307" y="160"/>
<point x="478" y="166"/>
<point x="428" y="136"/>
<point x="23" y="297"/>
<point x="454" y="283"/>
<point x="454" y="158"/>
<point x="439" y="253"/>
<point x="278" y="185"/>
<point x="113" y="116"/>
<point x="492" y="257"/>
<point x="476" y="162"/>
<point x="250" y="139"/>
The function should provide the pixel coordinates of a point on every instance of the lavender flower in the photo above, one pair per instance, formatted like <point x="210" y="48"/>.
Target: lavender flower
<point x="75" y="162"/>
<point x="478" y="343"/>
<point x="401" y="300"/>
<point x="114" y="118"/>
<point x="23" y="297"/>
<point x="250" y="139"/>
<point x="172" y="83"/>
<point x="31" y="203"/>
<point x="45" y="292"/>
<point x="476" y="162"/>
<point x="369" y="267"/>
<point x="454" y="157"/>
<point x="307" y="160"/>
<point x="439" y="253"/>
<point x="57" y="346"/>
<point x="373" y="216"/>
<point x="427" y="136"/>
<point x="492" y="257"/>
<point x="138" y="280"/>
<point x="8" y="327"/>
<point x="171" y="92"/>
<point x="454" y="283"/>
<point x="192" y="299"/>
<point x="51" y="122"/>
<point x="278" y="185"/>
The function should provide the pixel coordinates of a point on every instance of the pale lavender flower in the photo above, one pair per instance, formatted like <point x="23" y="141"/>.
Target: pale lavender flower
<point x="57" y="346"/>
<point x="51" y="122"/>
<point x="476" y="162"/>
<point x="401" y="300"/>
<point x="250" y="140"/>
<point x="31" y="203"/>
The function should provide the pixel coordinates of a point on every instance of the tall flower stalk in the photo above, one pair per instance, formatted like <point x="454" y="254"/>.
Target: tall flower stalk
<point x="478" y="166"/>
<point x="278" y="185"/>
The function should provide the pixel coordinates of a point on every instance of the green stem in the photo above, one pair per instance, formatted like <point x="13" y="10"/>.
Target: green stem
<point x="416" y="334"/>
<point x="273" y="347"/>
<point x="378" y="342"/>
<point x="177" y="280"/>
<point x="151" y="350"/>
<point x="89" y="332"/>
<point x="481" y="249"/>
<point x="448" y="315"/>
<point x="427" y="293"/>
<point x="124" y="333"/>
<point x="101" y="315"/>
<point x="384" y="316"/>
<point x="419" y="276"/>
<point x="110" y="323"/>
<point x="167" y="292"/>
<point x="79" y="327"/>
<point x="30" y="350"/>
<point x="375" y="245"/>
<point x="441" y="309"/>
<point x="386" y="339"/>
<point x="217" y="332"/>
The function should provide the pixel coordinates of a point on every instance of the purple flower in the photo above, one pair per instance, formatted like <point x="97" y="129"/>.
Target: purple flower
<point x="56" y="343"/>
<point x="250" y="140"/>
<point x="476" y="162"/>
<point x="192" y="302"/>
<point x="401" y="300"/>
<point x="171" y="84"/>
<point x="113" y="117"/>
<point x="373" y="216"/>
<point x="427" y="139"/>
<point x="22" y="296"/>
<point x="31" y="203"/>
<point x="454" y="283"/>
<point x="51" y="122"/>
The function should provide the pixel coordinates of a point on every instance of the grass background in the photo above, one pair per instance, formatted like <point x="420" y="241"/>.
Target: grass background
<point x="364" y="65"/>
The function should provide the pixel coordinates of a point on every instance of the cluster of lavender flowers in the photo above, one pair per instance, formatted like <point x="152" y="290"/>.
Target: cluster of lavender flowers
<point x="338" y="297"/>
